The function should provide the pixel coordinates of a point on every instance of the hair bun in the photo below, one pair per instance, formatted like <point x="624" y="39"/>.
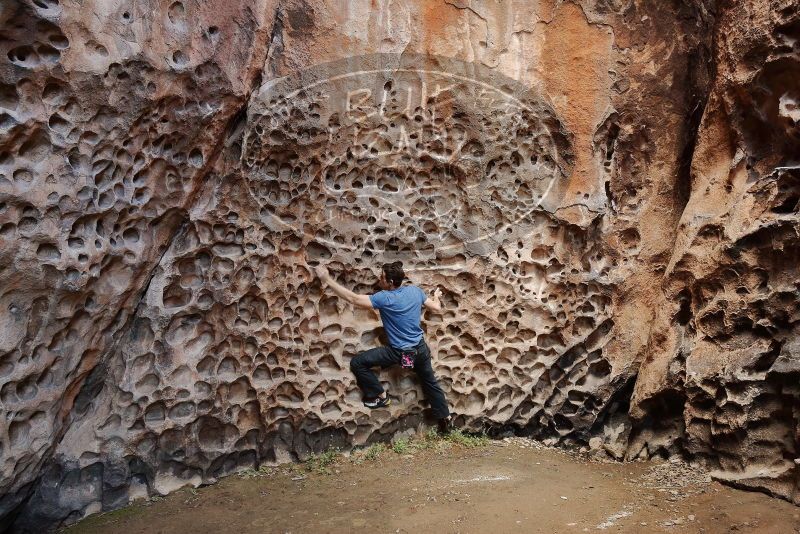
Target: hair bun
<point x="394" y="272"/>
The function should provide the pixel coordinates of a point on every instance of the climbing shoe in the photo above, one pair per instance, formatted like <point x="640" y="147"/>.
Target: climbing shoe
<point x="378" y="402"/>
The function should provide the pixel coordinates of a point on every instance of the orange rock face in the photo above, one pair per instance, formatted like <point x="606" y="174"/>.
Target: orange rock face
<point x="606" y="192"/>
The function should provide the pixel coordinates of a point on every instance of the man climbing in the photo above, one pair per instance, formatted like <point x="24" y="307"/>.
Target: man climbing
<point x="400" y="308"/>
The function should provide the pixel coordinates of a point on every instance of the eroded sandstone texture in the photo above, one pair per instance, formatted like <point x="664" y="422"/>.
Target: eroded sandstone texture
<point x="720" y="373"/>
<point x="604" y="190"/>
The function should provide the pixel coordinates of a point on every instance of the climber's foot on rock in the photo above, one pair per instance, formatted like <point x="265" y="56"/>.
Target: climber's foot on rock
<point x="378" y="402"/>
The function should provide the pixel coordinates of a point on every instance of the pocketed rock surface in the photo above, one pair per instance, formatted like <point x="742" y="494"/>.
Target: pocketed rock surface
<point x="606" y="192"/>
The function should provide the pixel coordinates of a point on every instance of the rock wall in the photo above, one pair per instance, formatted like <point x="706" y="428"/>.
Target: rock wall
<point x="604" y="190"/>
<point x="720" y="374"/>
<point x="111" y="116"/>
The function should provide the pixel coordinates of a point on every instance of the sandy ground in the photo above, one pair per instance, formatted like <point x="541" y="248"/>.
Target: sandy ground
<point x="512" y="486"/>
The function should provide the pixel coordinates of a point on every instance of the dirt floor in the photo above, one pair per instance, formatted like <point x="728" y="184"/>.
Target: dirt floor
<point x="505" y="486"/>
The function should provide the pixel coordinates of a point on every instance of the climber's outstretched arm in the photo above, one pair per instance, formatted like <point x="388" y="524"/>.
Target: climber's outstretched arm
<point x="362" y="301"/>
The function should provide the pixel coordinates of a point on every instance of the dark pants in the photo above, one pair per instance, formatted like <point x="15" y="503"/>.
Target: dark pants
<point x="384" y="357"/>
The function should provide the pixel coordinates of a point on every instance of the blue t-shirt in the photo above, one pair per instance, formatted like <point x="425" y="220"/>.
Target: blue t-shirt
<point x="400" y="311"/>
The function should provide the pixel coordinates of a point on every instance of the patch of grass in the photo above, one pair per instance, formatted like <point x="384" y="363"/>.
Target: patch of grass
<point x="402" y="446"/>
<point x="320" y="463"/>
<point x="467" y="440"/>
<point x="432" y="436"/>
<point x="107" y="518"/>
<point x="262" y="471"/>
<point x="370" y="453"/>
<point x="373" y="452"/>
<point x="435" y="441"/>
<point x="430" y="439"/>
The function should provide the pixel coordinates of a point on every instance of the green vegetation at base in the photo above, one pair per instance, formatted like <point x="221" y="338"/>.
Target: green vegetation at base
<point x="322" y="463"/>
<point x="467" y="440"/>
<point x="374" y="451"/>
<point x="262" y="471"/>
<point x="401" y="446"/>
<point x="104" y="519"/>
<point x="430" y="440"/>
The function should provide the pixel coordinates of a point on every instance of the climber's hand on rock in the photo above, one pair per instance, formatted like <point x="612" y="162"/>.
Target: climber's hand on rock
<point x="433" y="303"/>
<point x="322" y="272"/>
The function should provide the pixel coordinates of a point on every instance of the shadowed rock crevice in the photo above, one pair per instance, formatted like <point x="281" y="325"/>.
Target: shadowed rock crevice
<point x="701" y="70"/>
